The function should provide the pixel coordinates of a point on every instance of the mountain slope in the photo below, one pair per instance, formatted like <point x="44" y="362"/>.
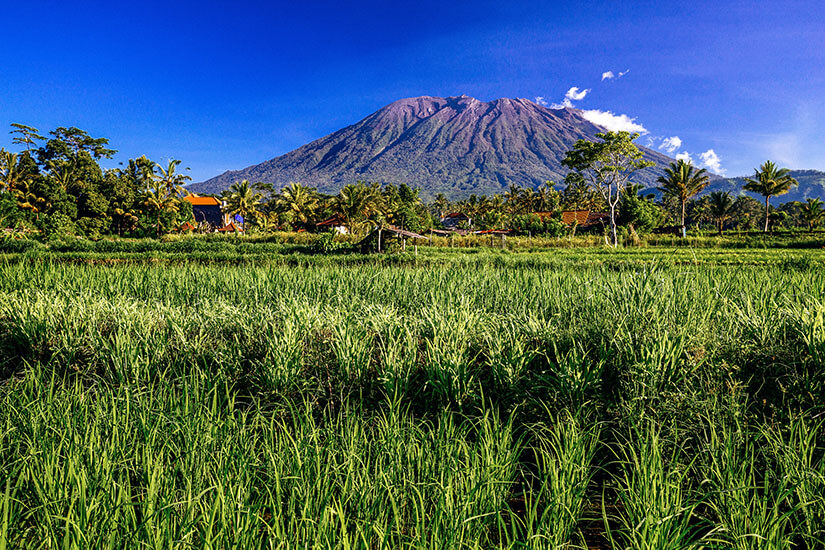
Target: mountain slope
<point x="811" y="185"/>
<point x="455" y="145"/>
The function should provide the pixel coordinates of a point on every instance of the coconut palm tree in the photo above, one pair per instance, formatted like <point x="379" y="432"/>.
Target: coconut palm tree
<point x="301" y="201"/>
<point x="770" y="181"/>
<point x="160" y="201"/>
<point x="720" y="208"/>
<point x="813" y="212"/>
<point x="683" y="181"/>
<point x="11" y="172"/>
<point x="243" y="200"/>
<point x="356" y="203"/>
<point x="169" y="179"/>
<point x="441" y="205"/>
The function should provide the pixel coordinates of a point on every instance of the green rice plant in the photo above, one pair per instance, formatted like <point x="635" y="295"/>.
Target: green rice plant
<point x="556" y="490"/>
<point x="398" y="352"/>
<point x="353" y="348"/>
<point x="283" y="362"/>
<point x="508" y="354"/>
<point x="800" y="465"/>
<point x="751" y="503"/>
<point x="449" y="359"/>
<point x="655" y="508"/>
<point x="576" y="377"/>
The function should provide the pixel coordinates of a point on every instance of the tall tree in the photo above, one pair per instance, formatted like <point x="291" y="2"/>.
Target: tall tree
<point x="441" y="205"/>
<point x="683" y="182"/>
<point x="11" y="171"/>
<point x="160" y="201"/>
<point x="244" y="200"/>
<point x="170" y="179"/>
<point x="813" y="212"/>
<point x="720" y="208"/>
<point x="607" y="165"/>
<point x="356" y="204"/>
<point x="27" y="136"/>
<point x="300" y="201"/>
<point x="770" y="181"/>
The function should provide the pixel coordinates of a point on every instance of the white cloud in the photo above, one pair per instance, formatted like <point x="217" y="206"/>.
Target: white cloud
<point x="685" y="156"/>
<point x="711" y="161"/>
<point x="573" y="94"/>
<point x="541" y="101"/>
<point x="614" y="123"/>
<point x="610" y="75"/>
<point x="671" y="144"/>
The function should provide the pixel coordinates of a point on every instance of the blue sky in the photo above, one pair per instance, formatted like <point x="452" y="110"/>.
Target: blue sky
<point x="223" y="85"/>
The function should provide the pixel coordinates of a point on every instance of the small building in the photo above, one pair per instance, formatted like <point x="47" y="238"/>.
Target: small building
<point x="207" y="210"/>
<point x="231" y="227"/>
<point x="336" y="223"/>
<point x="455" y="219"/>
<point x="584" y="218"/>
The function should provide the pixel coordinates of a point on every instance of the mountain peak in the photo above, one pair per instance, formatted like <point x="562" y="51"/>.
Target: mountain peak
<point x="454" y="145"/>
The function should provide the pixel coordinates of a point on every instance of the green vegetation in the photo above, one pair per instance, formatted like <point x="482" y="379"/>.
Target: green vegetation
<point x="55" y="189"/>
<point x="470" y="398"/>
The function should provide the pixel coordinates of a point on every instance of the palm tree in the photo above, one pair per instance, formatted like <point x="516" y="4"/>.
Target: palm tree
<point x="160" y="201"/>
<point x="813" y="212"/>
<point x="243" y="200"/>
<point x="169" y="179"/>
<point x="770" y="181"/>
<point x="356" y="203"/>
<point x="11" y="171"/>
<point x="301" y="201"/>
<point x="683" y="181"/>
<point x="720" y="208"/>
<point x="441" y="205"/>
<point x="513" y="199"/>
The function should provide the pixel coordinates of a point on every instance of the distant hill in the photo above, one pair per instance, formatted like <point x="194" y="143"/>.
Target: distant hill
<point x="811" y="185"/>
<point x="454" y="145"/>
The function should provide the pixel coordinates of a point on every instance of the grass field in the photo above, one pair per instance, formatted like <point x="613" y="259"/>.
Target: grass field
<point x="650" y="398"/>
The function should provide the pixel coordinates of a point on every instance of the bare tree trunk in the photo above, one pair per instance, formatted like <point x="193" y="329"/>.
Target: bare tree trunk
<point x="767" y="212"/>
<point x="614" y="237"/>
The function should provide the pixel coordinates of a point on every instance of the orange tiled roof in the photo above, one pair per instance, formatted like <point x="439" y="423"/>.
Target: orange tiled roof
<point x="202" y="201"/>
<point x="580" y="217"/>
<point x="335" y="220"/>
<point x="231" y="227"/>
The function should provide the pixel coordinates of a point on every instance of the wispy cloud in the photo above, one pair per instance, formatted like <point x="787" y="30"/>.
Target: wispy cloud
<point x="671" y="144"/>
<point x="685" y="156"/>
<point x="610" y="75"/>
<point x="613" y="122"/>
<point x="710" y="160"/>
<point x="540" y="100"/>
<point x="573" y="94"/>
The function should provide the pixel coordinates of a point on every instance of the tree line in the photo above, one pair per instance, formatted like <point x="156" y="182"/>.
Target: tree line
<point x="55" y="184"/>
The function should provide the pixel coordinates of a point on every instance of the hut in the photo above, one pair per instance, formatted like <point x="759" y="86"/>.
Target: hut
<point x="377" y="240"/>
<point x="208" y="210"/>
<point x="336" y="223"/>
<point x="454" y="219"/>
<point x="231" y="227"/>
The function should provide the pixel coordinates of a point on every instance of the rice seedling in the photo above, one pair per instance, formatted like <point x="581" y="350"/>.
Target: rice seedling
<point x="655" y="508"/>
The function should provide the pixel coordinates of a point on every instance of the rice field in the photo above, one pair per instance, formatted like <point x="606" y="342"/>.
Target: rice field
<point x="453" y="400"/>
